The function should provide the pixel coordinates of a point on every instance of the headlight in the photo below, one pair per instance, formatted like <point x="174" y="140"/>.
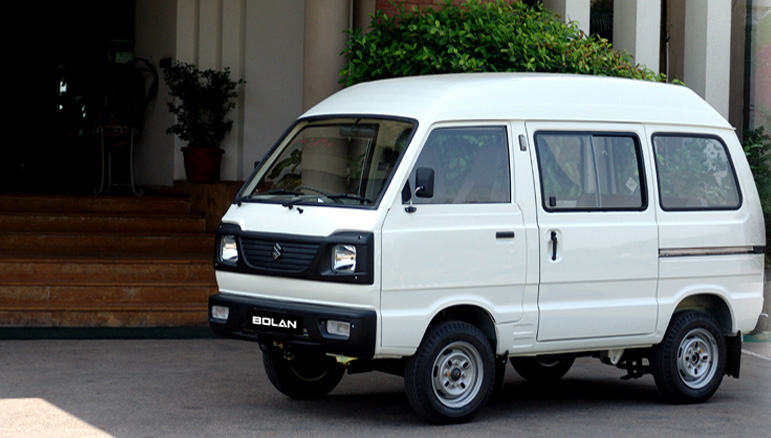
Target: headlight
<point x="344" y="258"/>
<point x="228" y="249"/>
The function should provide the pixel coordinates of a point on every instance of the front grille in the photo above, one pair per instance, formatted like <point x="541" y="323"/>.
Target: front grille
<point x="272" y="255"/>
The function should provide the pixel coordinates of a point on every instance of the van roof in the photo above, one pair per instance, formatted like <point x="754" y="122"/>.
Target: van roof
<point x="523" y="96"/>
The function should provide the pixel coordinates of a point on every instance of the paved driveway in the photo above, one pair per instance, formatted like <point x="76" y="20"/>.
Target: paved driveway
<point x="217" y="387"/>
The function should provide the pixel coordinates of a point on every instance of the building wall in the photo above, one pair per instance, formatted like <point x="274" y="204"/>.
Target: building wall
<point x="274" y="47"/>
<point x="261" y="41"/>
<point x="273" y="73"/>
<point x="156" y="26"/>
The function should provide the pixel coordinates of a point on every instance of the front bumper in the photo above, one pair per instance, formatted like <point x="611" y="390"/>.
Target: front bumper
<point x="314" y="337"/>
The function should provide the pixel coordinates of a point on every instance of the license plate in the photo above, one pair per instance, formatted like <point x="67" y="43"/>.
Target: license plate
<point x="275" y="322"/>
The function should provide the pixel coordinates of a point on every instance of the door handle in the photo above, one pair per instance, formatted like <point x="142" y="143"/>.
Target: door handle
<point x="554" y="245"/>
<point x="504" y="234"/>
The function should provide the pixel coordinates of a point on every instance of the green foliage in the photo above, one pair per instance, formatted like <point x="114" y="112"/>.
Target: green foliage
<point x="757" y="146"/>
<point x="480" y="37"/>
<point x="201" y="100"/>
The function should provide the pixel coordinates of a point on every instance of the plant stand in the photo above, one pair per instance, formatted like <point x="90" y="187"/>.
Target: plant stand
<point x="113" y="137"/>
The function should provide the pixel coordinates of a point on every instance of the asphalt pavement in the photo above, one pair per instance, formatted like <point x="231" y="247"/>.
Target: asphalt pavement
<point x="217" y="387"/>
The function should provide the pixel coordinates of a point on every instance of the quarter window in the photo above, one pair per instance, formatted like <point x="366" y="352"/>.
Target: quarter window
<point x="590" y="171"/>
<point x="471" y="165"/>
<point x="695" y="173"/>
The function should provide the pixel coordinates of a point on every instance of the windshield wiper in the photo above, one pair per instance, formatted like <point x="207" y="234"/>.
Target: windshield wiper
<point x="240" y="200"/>
<point x="337" y="196"/>
<point x="281" y="192"/>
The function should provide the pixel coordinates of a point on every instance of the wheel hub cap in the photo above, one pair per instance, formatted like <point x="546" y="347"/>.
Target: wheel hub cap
<point x="457" y="374"/>
<point x="697" y="358"/>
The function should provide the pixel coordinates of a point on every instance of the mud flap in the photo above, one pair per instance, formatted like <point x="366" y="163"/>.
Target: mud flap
<point x="734" y="352"/>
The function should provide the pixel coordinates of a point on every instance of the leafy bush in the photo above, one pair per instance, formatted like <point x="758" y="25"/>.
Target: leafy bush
<point x="201" y="101"/>
<point x="480" y="37"/>
<point x="757" y="146"/>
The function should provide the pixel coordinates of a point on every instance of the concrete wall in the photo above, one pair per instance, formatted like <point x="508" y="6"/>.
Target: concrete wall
<point x="260" y="41"/>
<point x="274" y="74"/>
<point x="273" y="45"/>
<point x="155" y="40"/>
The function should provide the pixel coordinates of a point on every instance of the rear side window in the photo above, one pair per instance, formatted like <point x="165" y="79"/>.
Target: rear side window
<point x="695" y="173"/>
<point x="590" y="171"/>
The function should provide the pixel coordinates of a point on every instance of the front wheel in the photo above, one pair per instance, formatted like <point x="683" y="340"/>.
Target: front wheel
<point x="304" y="375"/>
<point x="451" y="377"/>
<point x="690" y="362"/>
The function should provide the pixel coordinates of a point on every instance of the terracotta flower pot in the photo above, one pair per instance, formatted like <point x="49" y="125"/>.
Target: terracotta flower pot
<point x="202" y="164"/>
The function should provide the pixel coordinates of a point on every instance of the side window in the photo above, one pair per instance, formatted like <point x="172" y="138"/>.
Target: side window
<point x="471" y="165"/>
<point x="590" y="171"/>
<point x="694" y="173"/>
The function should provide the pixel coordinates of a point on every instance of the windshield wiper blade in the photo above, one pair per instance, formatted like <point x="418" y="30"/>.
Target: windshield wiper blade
<point x="349" y="196"/>
<point x="282" y="192"/>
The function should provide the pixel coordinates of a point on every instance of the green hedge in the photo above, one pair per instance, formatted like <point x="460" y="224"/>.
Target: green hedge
<point x="757" y="146"/>
<point x="480" y="37"/>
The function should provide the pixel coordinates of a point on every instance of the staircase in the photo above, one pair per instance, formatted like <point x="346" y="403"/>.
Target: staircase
<point x="103" y="262"/>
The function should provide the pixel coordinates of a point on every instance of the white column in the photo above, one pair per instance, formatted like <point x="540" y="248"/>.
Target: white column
<point x="325" y="21"/>
<point x="186" y="51"/>
<point x="572" y="10"/>
<point x="210" y="35"/>
<point x="636" y="29"/>
<point x="706" y="68"/>
<point x="232" y="56"/>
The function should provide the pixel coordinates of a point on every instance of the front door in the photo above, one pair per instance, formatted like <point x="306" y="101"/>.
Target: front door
<point x="597" y="231"/>
<point x="464" y="244"/>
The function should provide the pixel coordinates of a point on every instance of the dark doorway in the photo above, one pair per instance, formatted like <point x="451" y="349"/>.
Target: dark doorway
<point x="63" y="57"/>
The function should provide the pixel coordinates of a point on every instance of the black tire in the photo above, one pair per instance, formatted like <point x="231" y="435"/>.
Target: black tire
<point x="304" y="376"/>
<point x="689" y="363"/>
<point x="451" y="377"/>
<point x="542" y="369"/>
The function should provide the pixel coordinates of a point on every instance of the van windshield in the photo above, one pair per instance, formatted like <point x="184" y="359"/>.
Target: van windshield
<point x="333" y="161"/>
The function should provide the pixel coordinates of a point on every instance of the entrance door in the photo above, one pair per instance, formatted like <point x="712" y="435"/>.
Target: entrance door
<point x="464" y="244"/>
<point x="598" y="234"/>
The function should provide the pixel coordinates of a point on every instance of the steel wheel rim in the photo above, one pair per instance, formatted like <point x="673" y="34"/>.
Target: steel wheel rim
<point x="697" y="358"/>
<point x="457" y="374"/>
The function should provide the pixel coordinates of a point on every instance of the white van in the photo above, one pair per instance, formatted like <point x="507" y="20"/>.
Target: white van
<point x="437" y="227"/>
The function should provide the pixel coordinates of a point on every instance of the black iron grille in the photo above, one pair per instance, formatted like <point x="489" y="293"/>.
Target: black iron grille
<point x="278" y="256"/>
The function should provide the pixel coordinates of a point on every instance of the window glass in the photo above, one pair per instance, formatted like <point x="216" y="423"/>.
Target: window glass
<point x="694" y="173"/>
<point x="332" y="162"/>
<point x="586" y="171"/>
<point x="471" y="165"/>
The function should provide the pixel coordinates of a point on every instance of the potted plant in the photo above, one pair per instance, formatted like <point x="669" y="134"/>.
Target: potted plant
<point x="201" y="101"/>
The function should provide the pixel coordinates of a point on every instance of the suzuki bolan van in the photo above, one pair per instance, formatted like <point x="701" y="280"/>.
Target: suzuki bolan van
<point x="439" y="227"/>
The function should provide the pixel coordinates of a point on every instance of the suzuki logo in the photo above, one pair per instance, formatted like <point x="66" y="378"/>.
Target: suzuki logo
<point x="277" y="251"/>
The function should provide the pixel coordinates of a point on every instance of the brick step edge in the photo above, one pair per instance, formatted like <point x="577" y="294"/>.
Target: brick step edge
<point x="121" y="317"/>
<point x="106" y="307"/>
<point x="200" y="331"/>
<point x="92" y="204"/>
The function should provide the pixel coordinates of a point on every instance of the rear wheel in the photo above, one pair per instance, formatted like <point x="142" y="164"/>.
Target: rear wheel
<point x="451" y="377"/>
<point x="304" y="376"/>
<point x="689" y="364"/>
<point x="542" y="369"/>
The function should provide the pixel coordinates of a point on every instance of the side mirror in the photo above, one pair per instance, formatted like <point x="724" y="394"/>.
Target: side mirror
<point x="424" y="182"/>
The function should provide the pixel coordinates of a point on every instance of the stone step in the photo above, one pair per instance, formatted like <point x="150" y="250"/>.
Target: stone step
<point x="172" y="243"/>
<point x="102" y="296"/>
<point x="102" y="222"/>
<point x="94" y="204"/>
<point x="125" y="316"/>
<point x="104" y="262"/>
<point x="30" y="271"/>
